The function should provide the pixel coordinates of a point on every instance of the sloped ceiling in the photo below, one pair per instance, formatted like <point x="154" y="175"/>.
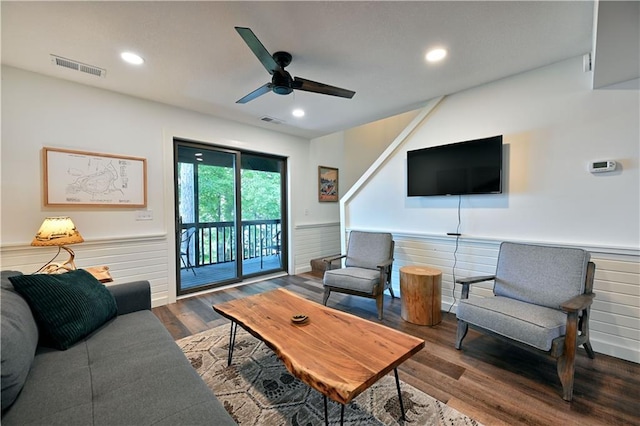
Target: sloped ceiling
<point x="194" y="58"/>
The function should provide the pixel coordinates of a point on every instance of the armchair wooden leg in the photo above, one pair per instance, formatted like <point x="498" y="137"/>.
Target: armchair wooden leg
<point x="587" y="347"/>
<point x="380" y="304"/>
<point x="393" y="296"/>
<point x="326" y="296"/>
<point x="583" y="328"/>
<point x="566" y="362"/>
<point x="463" y="327"/>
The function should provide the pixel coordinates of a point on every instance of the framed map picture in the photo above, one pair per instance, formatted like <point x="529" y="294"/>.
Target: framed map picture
<point x="327" y="184"/>
<point x="83" y="178"/>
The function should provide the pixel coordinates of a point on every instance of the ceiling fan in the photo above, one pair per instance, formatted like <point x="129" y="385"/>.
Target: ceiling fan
<point x="282" y="83"/>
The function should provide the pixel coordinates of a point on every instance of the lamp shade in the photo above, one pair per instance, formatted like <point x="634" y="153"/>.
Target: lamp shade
<point x="57" y="231"/>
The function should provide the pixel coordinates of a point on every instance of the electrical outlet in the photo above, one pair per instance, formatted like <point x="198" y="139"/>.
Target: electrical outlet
<point x="144" y="215"/>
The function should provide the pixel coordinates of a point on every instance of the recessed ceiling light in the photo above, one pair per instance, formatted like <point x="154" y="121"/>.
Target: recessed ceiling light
<point x="298" y="112"/>
<point x="132" y="58"/>
<point x="435" y="55"/>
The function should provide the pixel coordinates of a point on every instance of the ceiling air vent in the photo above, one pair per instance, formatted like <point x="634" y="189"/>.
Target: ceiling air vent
<point x="78" y="66"/>
<point x="268" y="119"/>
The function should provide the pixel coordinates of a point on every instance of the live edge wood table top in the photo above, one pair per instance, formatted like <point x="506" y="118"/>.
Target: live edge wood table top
<point x="338" y="354"/>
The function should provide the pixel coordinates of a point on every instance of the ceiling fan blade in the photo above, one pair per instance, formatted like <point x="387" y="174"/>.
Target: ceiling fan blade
<point x="258" y="49"/>
<point x="325" y="89"/>
<point x="266" y="88"/>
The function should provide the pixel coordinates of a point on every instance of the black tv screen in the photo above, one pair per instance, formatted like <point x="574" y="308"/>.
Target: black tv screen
<point x="470" y="167"/>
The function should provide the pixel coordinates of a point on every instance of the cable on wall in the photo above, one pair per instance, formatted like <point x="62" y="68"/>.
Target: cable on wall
<point x="455" y="256"/>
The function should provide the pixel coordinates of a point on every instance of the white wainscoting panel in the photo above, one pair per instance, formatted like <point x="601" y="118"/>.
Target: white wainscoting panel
<point x="615" y="313"/>
<point x="470" y="259"/>
<point x="131" y="259"/>
<point x="314" y="241"/>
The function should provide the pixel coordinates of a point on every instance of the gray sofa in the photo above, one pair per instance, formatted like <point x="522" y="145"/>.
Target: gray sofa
<point x="128" y="371"/>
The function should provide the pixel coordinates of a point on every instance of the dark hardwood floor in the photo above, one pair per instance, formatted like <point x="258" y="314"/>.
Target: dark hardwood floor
<point x="488" y="380"/>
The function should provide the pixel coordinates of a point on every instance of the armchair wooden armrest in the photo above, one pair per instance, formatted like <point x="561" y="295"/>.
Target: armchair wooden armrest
<point x="466" y="282"/>
<point x="385" y="264"/>
<point x="328" y="261"/>
<point x="473" y="280"/>
<point x="578" y="303"/>
<point x="331" y="259"/>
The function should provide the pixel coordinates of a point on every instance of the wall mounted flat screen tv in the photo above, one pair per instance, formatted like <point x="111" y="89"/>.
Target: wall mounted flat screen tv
<point x="470" y="167"/>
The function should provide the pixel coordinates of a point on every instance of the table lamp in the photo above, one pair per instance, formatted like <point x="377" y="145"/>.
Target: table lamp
<point x="57" y="231"/>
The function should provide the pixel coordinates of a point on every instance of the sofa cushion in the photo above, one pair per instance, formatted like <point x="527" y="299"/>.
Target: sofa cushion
<point x="368" y="249"/>
<point x="357" y="279"/>
<point x="68" y="306"/>
<point x="18" y="342"/>
<point x="128" y="372"/>
<point x="524" y="322"/>
<point x="4" y="279"/>
<point x="546" y="276"/>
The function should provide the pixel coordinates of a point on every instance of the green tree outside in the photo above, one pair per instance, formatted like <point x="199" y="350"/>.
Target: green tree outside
<point x="216" y="194"/>
<point x="261" y="200"/>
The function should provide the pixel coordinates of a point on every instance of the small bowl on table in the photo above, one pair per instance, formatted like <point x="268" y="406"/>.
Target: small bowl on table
<point x="299" y="319"/>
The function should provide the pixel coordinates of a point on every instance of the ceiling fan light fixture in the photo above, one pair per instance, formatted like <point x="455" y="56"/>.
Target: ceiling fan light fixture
<point x="132" y="58"/>
<point x="282" y="90"/>
<point x="436" y="55"/>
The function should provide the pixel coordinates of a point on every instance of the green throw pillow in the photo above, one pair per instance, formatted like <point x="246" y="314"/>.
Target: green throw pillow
<point x="68" y="306"/>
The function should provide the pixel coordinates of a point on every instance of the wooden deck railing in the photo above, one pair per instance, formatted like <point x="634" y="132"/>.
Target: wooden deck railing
<point x="209" y="243"/>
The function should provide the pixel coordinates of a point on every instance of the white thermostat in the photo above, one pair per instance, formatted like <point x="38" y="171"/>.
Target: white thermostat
<point x="602" y="166"/>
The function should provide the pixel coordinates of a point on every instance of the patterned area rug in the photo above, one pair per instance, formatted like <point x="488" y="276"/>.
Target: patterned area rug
<point x="258" y="390"/>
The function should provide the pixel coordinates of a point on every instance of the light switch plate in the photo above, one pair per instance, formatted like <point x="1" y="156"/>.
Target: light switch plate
<point x="144" y="214"/>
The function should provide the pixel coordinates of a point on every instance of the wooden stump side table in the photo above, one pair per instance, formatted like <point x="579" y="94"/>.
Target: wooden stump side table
<point x="420" y="293"/>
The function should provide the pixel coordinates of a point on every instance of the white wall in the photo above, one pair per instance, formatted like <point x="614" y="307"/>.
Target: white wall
<point x="364" y="144"/>
<point x="553" y="125"/>
<point x="352" y="152"/>
<point x="40" y="111"/>
<point x="325" y="151"/>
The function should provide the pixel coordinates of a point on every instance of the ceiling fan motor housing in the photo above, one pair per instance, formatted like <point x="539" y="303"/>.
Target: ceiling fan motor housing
<point x="282" y="82"/>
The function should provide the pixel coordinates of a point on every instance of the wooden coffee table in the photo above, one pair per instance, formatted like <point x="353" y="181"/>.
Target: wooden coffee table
<point x="338" y="354"/>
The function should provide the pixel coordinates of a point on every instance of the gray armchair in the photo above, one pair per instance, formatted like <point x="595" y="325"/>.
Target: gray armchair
<point x="542" y="299"/>
<point x="367" y="271"/>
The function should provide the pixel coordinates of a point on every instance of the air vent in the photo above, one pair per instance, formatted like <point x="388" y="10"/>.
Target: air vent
<point x="78" y="66"/>
<point x="268" y="119"/>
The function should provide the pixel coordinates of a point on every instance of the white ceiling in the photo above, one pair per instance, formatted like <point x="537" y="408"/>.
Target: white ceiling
<point x="196" y="60"/>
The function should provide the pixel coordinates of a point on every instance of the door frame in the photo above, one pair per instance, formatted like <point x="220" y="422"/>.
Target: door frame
<point x="238" y="226"/>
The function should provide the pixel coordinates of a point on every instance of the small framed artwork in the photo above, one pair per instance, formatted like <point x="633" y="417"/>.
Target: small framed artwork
<point x="327" y="184"/>
<point x="81" y="178"/>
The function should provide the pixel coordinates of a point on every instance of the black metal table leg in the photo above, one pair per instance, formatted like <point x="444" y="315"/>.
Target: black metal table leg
<point x="395" y="371"/>
<point x="232" y="341"/>
<point x="326" y="412"/>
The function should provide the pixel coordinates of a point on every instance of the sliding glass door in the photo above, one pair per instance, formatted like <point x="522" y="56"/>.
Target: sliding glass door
<point x="215" y="187"/>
